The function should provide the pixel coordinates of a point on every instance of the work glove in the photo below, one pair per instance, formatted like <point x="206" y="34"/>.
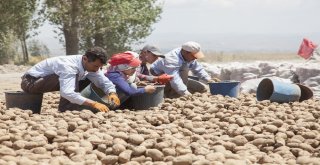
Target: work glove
<point x="100" y="107"/>
<point x="214" y="80"/>
<point x="163" y="79"/>
<point x="114" y="99"/>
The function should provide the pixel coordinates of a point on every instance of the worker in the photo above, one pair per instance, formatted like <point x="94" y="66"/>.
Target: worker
<point x="122" y="66"/>
<point x="177" y="63"/>
<point x="149" y="54"/>
<point x="69" y="75"/>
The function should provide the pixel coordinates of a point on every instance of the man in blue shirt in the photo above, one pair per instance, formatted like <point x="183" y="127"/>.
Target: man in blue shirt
<point x="177" y="63"/>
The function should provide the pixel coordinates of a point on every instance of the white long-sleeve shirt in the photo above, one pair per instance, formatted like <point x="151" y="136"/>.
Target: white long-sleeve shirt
<point x="172" y="64"/>
<point x="68" y="68"/>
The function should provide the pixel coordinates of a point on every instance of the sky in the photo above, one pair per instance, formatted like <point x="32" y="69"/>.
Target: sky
<point x="228" y="25"/>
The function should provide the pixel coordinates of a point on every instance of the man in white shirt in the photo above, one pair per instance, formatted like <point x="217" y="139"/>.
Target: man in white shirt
<point x="177" y="63"/>
<point x="69" y="75"/>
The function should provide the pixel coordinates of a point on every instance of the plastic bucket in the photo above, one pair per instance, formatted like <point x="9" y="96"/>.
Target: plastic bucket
<point x="147" y="100"/>
<point x="277" y="91"/>
<point x="225" y="88"/>
<point x="306" y="93"/>
<point x="93" y="93"/>
<point x="23" y="100"/>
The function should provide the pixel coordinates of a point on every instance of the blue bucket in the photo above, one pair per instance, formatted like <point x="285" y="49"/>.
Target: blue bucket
<point x="277" y="91"/>
<point x="225" y="88"/>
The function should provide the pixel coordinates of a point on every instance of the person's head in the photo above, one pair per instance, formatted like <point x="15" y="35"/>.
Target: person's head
<point x="150" y="53"/>
<point x="191" y="51"/>
<point x="94" y="59"/>
<point x="125" y="62"/>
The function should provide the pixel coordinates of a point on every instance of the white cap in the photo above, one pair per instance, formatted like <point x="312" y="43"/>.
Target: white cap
<point x="194" y="48"/>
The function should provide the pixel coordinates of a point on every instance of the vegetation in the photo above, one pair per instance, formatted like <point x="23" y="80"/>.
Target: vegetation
<point x="16" y="23"/>
<point x="111" y="24"/>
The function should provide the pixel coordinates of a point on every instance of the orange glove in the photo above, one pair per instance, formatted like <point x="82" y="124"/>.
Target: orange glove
<point x="100" y="107"/>
<point x="163" y="79"/>
<point x="114" y="99"/>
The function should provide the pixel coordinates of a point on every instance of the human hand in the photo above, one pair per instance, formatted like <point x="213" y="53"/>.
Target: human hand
<point x="114" y="99"/>
<point x="150" y="89"/>
<point x="163" y="79"/>
<point x="100" y="107"/>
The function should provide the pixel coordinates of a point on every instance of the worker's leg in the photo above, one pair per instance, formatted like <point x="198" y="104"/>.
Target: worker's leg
<point x="66" y="104"/>
<point x="48" y="83"/>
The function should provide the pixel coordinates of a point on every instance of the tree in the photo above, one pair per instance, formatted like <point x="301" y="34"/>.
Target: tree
<point x="112" y="24"/>
<point x="37" y="49"/>
<point x="66" y="15"/>
<point x="16" y="18"/>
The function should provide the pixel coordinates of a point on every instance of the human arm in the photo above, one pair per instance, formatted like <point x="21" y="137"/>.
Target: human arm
<point x="102" y="82"/>
<point x="123" y="85"/>
<point x="177" y="82"/>
<point x="198" y="70"/>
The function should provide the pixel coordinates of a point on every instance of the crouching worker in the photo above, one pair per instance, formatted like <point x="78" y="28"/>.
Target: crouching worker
<point x="69" y="75"/>
<point x="150" y="54"/>
<point x="177" y="63"/>
<point x="122" y="66"/>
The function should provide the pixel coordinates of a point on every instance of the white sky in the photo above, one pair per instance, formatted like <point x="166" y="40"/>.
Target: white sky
<point x="240" y="16"/>
<point x="190" y="18"/>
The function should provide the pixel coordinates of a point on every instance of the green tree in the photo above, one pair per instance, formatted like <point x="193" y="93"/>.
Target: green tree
<point x="16" y="18"/>
<point x="112" y="24"/>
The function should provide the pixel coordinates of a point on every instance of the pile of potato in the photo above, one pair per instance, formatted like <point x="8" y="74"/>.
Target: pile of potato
<point x="201" y="129"/>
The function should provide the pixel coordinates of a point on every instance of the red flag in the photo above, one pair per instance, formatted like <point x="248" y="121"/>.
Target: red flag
<point x="306" y="48"/>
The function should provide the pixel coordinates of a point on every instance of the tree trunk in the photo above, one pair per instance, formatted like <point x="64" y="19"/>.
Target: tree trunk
<point x="98" y="40"/>
<point x="24" y="49"/>
<point x="72" y="40"/>
<point x="71" y="29"/>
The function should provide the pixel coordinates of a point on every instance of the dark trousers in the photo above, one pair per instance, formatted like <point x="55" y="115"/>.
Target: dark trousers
<point x="51" y="83"/>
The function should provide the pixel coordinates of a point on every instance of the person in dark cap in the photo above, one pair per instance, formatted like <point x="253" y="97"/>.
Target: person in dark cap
<point x="69" y="75"/>
<point x="149" y="54"/>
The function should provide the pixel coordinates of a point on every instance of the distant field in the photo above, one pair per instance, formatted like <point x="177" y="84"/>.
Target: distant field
<point x="222" y="57"/>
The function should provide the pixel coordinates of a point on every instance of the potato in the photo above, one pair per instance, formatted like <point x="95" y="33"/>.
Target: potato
<point x="155" y="154"/>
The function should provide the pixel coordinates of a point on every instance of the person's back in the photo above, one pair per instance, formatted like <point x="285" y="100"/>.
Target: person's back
<point x="54" y="65"/>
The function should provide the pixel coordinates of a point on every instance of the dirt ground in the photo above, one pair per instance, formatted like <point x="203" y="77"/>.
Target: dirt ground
<point x="9" y="82"/>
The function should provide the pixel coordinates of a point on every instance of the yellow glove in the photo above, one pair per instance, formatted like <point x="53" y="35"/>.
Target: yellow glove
<point x="113" y="98"/>
<point x="100" y="107"/>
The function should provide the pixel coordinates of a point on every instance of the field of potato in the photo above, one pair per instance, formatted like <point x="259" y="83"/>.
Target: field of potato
<point x="202" y="130"/>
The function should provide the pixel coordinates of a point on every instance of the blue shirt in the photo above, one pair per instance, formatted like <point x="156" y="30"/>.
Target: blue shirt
<point x="70" y="69"/>
<point x="117" y="78"/>
<point x="172" y="64"/>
